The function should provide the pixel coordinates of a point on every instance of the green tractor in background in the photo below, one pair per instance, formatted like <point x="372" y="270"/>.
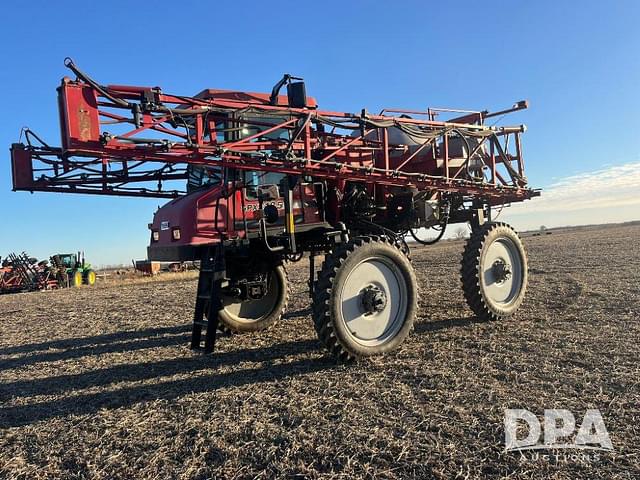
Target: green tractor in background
<point x="72" y="269"/>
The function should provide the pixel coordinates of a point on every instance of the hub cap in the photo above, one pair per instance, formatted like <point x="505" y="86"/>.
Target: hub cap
<point x="373" y="301"/>
<point x="501" y="271"/>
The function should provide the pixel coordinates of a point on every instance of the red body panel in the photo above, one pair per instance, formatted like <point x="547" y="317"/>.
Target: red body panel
<point x="251" y="98"/>
<point x="79" y="118"/>
<point x="21" y="168"/>
<point x="206" y="216"/>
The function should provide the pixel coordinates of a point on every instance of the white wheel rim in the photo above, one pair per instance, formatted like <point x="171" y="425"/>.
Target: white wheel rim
<point x="250" y="311"/>
<point x="502" y="256"/>
<point x="373" y="328"/>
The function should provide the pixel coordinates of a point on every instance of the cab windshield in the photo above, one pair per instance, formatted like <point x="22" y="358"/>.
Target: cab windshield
<point x="201" y="177"/>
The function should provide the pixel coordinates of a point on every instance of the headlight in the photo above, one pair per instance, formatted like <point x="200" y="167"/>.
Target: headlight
<point x="155" y="235"/>
<point x="175" y="233"/>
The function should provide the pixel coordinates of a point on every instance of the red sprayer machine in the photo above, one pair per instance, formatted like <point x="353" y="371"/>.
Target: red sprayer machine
<point x="271" y="176"/>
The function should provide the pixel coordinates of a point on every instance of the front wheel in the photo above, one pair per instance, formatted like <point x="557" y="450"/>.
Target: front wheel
<point x="365" y="299"/>
<point x="494" y="271"/>
<point x="243" y="316"/>
<point x="90" y="277"/>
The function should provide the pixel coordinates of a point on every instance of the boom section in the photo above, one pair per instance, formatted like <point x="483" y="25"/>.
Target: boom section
<point x="140" y="141"/>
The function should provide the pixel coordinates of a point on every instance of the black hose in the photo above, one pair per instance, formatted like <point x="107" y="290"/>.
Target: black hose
<point x="28" y="133"/>
<point x="68" y="62"/>
<point x="429" y="242"/>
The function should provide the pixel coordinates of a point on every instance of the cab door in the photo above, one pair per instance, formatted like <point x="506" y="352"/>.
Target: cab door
<point x="305" y="206"/>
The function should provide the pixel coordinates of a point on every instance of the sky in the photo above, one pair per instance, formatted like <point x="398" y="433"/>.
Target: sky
<point x="576" y="62"/>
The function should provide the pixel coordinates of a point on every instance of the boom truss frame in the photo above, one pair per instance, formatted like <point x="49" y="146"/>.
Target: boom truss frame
<point x="161" y="134"/>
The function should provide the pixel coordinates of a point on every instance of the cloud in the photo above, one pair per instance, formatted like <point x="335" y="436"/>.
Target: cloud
<point x="601" y="196"/>
<point x="606" y="188"/>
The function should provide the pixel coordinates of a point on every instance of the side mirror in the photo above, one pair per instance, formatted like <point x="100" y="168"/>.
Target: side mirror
<point x="297" y="95"/>
<point x="268" y="193"/>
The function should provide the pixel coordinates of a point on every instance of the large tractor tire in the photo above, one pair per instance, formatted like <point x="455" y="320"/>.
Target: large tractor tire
<point x="90" y="277"/>
<point x="494" y="271"/>
<point x="256" y="315"/>
<point x="364" y="302"/>
<point x="75" y="278"/>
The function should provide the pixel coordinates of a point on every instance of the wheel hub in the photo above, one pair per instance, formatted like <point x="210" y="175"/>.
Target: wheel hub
<point x="501" y="271"/>
<point x="373" y="300"/>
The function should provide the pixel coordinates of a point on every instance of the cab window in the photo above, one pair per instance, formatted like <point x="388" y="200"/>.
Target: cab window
<point x="262" y="178"/>
<point x="199" y="176"/>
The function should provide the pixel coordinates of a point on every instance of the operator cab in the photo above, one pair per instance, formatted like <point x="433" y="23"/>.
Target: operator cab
<point x="69" y="260"/>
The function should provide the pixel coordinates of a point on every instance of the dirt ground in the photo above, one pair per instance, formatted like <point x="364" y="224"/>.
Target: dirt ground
<point x="99" y="383"/>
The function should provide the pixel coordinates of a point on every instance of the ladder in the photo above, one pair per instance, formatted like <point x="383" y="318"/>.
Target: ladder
<point x="209" y="297"/>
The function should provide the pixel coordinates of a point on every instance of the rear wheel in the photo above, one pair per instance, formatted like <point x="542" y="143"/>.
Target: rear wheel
<point x="494" y="271"/>
<point x="241" y="316"/>
<point x="364" y="302"/>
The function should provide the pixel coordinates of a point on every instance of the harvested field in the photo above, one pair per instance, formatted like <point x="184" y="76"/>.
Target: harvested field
<point x="100" y="383"/>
